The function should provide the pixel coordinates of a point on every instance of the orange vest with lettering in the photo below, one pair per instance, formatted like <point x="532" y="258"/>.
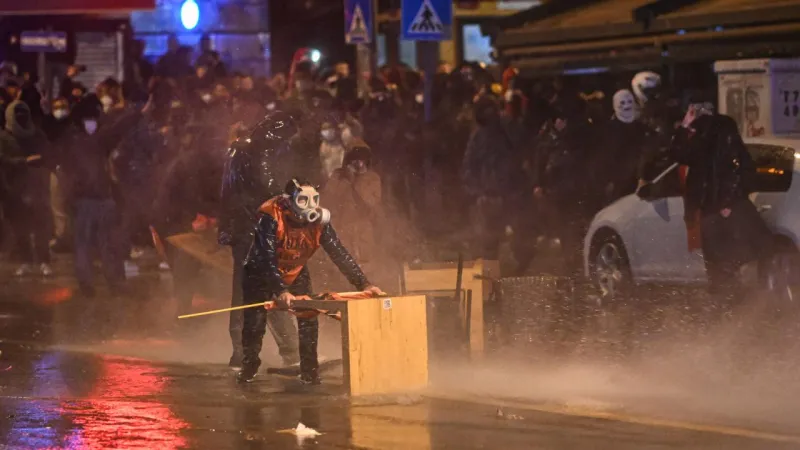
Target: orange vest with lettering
<point x="296" y="243"/>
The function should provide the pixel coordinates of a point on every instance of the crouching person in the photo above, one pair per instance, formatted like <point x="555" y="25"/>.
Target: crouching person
<point x="291" y="228"/>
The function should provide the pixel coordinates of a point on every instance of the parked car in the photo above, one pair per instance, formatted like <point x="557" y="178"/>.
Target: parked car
<point x="642" y="239"/>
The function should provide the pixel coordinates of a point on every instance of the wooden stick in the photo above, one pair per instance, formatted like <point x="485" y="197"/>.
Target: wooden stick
<point x="252" y="305"/>
<point x="217" y="311"/>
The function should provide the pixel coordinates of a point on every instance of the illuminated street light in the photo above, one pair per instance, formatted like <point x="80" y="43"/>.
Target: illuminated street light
<point x="190" y="14"/>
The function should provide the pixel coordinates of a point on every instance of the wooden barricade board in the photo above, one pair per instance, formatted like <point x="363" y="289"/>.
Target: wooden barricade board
<point x="204" y="248"/>
<point x="440" y="278"/>
<point x="384" y="343"/>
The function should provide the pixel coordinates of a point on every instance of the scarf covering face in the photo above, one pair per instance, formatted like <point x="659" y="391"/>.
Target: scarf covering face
<point x="18" y="120"/>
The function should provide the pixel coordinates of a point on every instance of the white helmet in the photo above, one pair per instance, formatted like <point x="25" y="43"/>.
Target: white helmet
<point x="644" y="84"/>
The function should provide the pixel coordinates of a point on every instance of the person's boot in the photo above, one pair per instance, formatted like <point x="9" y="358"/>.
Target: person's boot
<point x="235" y="362"/>
<point x="310" y="379"/>
<point x="246" y="375"/>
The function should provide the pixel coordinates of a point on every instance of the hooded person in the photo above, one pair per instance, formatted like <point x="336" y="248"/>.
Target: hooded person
<point x="489" y="172"/>
<point x="27" y="188"/>
<point x="291" y="228"/>
<point x="354" y="194"/>
<point x="250" y="178"/>
<point x="721" y="176"/>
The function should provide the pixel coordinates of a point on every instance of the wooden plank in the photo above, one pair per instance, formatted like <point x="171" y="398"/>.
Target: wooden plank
<point x="442" y="277"/>
<point x="386" y="345"/>
<point x="204" y="248"/>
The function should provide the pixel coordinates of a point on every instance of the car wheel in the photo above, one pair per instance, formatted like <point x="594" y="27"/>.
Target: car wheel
<point x="610" y="268"/>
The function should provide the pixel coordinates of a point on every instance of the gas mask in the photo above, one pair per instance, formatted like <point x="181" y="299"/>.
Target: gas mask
<point x="625" y="106"/>
<point x="305" y="205"/>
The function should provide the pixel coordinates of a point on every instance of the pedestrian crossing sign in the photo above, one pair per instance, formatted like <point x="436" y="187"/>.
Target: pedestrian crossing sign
<point x="358" y="21"/>
<point x="427" y="20"/>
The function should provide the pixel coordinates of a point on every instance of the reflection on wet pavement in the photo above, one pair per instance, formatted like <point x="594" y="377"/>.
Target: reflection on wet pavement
<point x="63" y="388"/>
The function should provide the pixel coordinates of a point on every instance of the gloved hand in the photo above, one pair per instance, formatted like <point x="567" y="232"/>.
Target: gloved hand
<point x="375" y="291"/>
<point x="225" y="238"/>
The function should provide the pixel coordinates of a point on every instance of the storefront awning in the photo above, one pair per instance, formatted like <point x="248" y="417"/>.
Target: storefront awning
<point x="50" y="7"/>
<point x="608" y="33"/>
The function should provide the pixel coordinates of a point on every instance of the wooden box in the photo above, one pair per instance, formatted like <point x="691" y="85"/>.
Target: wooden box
<point x="439" y="279"/>
<point x="384" y="343"/>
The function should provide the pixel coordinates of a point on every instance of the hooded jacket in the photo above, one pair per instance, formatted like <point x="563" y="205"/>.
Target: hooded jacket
<point x="721" y="171"/>
<point x="21" y="180"/>
<point x="254" y="172"/>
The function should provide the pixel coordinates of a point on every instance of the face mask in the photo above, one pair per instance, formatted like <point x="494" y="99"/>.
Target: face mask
<point x="625" y="106"/>
<point x="60" y="114"/>
<point x="90" y="126"/>
<point x="357" y="167"/>
<point x="346" y="134"/>
<point x="328" y="134"/>
<point x="206" y="98"/>
<point x="106" y="101"/>
<point x="305" y="205"/>
<point x="419" y="98"/>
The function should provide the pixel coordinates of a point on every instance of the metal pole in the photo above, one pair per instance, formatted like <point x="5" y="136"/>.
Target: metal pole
<point x="428" y="58"/>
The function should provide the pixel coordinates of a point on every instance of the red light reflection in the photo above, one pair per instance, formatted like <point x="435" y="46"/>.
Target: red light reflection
<point x="56" y="295"/>
<point x="122" y="411"/>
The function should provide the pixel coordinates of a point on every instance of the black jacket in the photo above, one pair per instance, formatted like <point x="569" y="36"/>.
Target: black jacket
<point x="255" y="171"/>
<point x="721" y="171"/>
<point x="262" y="278"/>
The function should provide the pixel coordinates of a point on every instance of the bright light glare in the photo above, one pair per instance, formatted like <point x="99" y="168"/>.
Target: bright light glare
<point x="190" y="14"/>
<point x="315" y="56"/>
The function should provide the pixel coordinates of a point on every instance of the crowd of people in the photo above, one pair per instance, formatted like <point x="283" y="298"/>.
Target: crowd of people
<point x="110" y="167"/>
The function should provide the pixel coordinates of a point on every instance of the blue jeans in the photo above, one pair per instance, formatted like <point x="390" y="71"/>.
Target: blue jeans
<point x="96" y="226"/>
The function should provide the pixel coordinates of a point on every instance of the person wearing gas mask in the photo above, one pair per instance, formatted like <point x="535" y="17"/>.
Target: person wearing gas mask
<point x="624" y="139"/>
<point x="254" y="165"/>
<point x="291" y="228"/>
<point x="27" y="190"/>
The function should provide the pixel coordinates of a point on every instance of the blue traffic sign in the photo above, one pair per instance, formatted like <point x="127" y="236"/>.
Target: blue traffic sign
<point x="43" y="41"/>
<point x="358" y="21"/>
<point x="427" y="20"/>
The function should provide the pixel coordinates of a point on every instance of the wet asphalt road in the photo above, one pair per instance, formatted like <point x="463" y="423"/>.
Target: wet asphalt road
<point x="64" y="383"/>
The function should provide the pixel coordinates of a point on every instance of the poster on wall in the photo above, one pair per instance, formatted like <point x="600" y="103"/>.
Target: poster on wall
<point x="743" y="97"/>
<point x="786" y="103"/>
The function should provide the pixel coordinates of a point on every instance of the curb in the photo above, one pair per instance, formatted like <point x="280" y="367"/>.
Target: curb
<point x="616" y="416"/>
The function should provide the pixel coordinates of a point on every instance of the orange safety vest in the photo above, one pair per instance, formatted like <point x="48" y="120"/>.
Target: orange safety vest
<point x="296" y="243"/>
